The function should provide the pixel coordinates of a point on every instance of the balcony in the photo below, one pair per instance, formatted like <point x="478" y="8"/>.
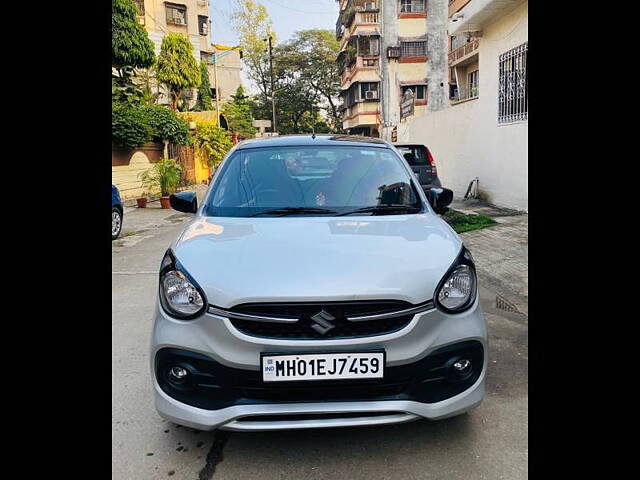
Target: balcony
<point x="347" y="27"/>
<point x="464" y="94"/>
<point x="464" y="53"/>
<point x="364" y="69"/>
<point x="474" y="15"/>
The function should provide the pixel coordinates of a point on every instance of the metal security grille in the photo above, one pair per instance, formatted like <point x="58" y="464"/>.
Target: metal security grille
<point x="414" y="49"/>
<point x="411" y="6"/>
<point x="513" y="99"/>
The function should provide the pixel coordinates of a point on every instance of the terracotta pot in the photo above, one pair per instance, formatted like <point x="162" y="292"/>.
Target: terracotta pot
<point x="142" y="202"/>
<point x="164" y="202"/>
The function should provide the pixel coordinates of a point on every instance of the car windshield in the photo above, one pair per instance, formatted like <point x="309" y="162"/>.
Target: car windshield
<point x="312" y="181"/>
<point x="417" y="154"/>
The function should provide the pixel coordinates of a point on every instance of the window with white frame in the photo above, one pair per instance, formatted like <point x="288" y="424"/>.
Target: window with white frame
<point x="513" y="95"/>
<point x="414" y="49"/>
<point x="176" y="14"/>
<point x="472" y="84"/>
<point x="412" y="6"/>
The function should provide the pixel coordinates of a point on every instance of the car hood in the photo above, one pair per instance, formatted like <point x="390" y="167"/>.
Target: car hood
<point x="243" y="260"/>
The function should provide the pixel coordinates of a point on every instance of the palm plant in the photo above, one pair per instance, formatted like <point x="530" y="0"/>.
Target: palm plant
<point x="164" y="175"/>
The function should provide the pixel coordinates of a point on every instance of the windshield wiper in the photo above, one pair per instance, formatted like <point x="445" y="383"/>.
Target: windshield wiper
<point x="382" y="209"/>
<point x="293" y="211"/>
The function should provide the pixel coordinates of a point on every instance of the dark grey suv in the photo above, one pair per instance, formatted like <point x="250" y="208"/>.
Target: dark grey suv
<point x="421" y="162"/>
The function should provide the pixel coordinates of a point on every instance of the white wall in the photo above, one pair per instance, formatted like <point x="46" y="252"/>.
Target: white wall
<point x="466" y="139"/>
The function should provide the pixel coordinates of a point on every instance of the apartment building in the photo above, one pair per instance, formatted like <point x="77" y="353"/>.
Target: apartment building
<point x="481" y="135"/>
<point x="191" y="18"/>
<point x="383" y="55"/>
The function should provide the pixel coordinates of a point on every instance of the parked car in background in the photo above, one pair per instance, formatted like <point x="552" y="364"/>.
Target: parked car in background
<point x="316" y="287"/>
<point x="116" y="212"/>
<point x="421" y="162"/>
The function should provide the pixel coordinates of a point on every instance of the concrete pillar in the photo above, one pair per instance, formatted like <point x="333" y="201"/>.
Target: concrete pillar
<point x="437" y="61"/>
<point x="390" y="103"/>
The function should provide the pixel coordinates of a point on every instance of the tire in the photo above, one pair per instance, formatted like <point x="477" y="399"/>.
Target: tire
<point x="116" y="223"/>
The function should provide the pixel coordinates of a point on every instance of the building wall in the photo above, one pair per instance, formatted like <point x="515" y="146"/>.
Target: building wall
<point x="228" y="75"/>
<point x="411" y="27"/>
<point x="466" y="139"/>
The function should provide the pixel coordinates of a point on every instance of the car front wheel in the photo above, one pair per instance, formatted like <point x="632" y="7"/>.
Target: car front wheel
<point x="116" y="223"/>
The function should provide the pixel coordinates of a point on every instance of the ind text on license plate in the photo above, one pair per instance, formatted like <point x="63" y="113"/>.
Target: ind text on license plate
<point x="325" y="366"/>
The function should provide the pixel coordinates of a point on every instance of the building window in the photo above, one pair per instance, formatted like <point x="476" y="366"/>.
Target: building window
<point x="513" y="95"/>
<point x="140" y="5"/>
<point x="206" y="57"/>
<point x="472" y="84"/>
<point x="214" y="94"/>
<point x="419" y="91"/>
<point x="369" y="62"/>
<point x="176" y="14"/>
<point x="368" y="45"/>
<point x="414" y="49"/>
<point x="203" y="25"/>
<point x="369" y="91"/>
<point x="412" y="6"/>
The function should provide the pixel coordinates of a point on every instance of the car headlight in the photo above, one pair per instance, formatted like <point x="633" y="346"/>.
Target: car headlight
<point x="457" y="289"/>
<point x="180" y="295"/>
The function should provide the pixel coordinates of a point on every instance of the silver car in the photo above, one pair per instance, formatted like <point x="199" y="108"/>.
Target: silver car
<point x="316" y="287"/>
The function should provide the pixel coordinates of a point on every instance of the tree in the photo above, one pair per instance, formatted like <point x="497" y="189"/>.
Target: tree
<point x="311" y="54"/>
<point x="204" y="91"/>
<point x="130" y="49"/>
<point x="130" y="44"/>
<point x="213" y="141"/>
<point x="238" y="114"/>
<point x="129" y="126"/>
<point x="253" y="25"/>
<point x="177" y="67"/>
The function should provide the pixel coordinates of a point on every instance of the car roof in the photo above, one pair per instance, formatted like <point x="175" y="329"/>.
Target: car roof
<point x="409" y="145"/>
<point x="312" y="140"/>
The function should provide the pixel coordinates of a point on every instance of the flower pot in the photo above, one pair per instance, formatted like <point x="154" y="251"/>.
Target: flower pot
<point x="164" y="202"/>
<point x="142" y="202"/>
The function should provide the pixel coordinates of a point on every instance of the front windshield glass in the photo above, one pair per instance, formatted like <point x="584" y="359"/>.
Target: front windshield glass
<point x="339" y="179"/>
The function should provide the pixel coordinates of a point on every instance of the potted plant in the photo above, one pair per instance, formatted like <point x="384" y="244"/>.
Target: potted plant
<point x="163" y="175"/>
<point x="142" y="200"/>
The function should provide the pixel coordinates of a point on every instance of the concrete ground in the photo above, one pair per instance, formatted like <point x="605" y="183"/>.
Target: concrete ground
<point x="487" y="443"/>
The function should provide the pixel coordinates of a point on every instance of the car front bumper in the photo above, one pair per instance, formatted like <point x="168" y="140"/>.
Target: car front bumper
<point x="237" y="356"/>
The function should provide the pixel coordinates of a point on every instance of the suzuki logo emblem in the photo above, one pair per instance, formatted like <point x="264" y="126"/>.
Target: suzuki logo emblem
<point x="322" y="321"/>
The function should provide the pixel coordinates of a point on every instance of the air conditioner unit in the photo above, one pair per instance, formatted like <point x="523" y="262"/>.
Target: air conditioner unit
<point x="371" y="94"/>
<point x="205" y="29"/>
<point x="369" y="6"/>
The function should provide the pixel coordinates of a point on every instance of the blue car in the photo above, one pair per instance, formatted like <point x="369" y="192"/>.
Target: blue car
<point x="116" y="212"/>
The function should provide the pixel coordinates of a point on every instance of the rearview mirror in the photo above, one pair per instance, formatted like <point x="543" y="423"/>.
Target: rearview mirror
<point x="439" y="198"/>
<point x="186" y="202"/>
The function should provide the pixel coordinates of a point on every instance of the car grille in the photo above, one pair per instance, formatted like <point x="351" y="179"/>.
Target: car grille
<point x="303" y="328"/>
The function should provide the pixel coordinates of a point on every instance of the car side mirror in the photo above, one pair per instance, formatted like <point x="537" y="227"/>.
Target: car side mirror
<point x="186" y="202"/>
<point x="439" y="198"/>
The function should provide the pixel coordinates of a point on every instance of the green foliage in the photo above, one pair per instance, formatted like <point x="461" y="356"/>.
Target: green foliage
<point x="465" y="223"/>
<point x="166" y="125"/>
<point x="204" y="92"/>
<point x="238" y="114"/>
<point x="252" y="24"/>
<point x="129" y="126"/>
<point x="130" y="44"/>
<point x="214" y="141"/>
<point x="163" y="175"/>
<point x="177" y="68"/>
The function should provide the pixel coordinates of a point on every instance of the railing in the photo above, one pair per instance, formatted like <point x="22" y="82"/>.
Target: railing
<point x="360" y="64"/>
<point x="463" y="51"/>
<point x="468" y="93"/>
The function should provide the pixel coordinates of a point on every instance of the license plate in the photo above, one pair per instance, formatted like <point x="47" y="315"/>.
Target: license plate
<point x="322" y="366"/>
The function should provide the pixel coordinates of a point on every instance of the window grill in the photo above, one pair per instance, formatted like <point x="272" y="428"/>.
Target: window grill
<point x="414" y="49"/>
<point x="412" y="6"/>
<point x="513" y="98"/>
<point x="176" y="14"/>
<point x="472" y="84"/>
